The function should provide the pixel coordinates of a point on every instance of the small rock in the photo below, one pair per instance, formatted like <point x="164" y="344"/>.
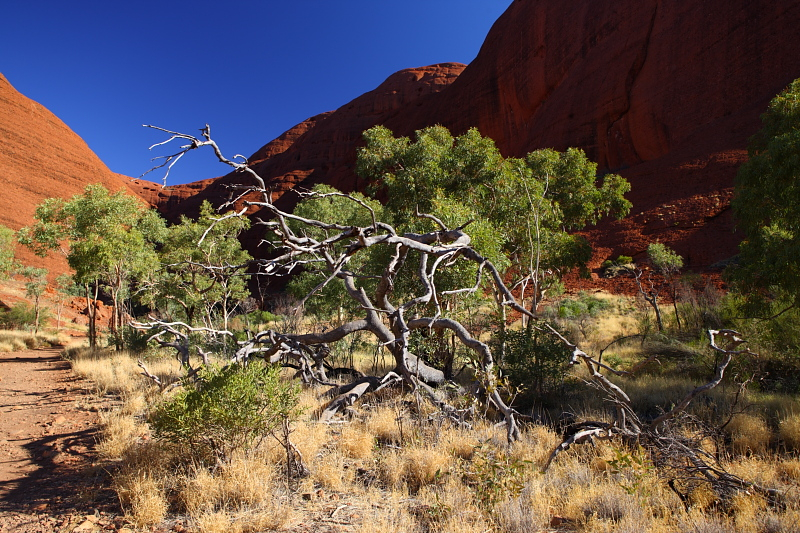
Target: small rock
<point x="86" y="525"/>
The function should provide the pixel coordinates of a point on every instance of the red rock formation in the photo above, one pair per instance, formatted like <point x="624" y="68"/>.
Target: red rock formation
<point x="41" y="158"/>
<point x="664" y="93"/>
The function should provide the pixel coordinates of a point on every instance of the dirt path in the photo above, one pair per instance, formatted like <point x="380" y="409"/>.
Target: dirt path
<point x="48" y="428"/>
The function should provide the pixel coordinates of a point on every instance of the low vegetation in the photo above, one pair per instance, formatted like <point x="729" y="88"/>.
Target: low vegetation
<point x="399" y="463"/>
<point x="16" y="340"/>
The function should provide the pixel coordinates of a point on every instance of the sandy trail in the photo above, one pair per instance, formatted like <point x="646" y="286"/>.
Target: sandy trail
<point x="48" y="429"/>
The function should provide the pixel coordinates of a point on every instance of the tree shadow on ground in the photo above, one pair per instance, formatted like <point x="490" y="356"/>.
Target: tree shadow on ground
<point x="65" y="477"/>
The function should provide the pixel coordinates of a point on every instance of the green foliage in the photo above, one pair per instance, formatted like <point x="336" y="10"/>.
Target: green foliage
<point x="525" y="207"/>
<point x="35" y="281"/>
<point x="632" y="470"/>
<point x="35" y="285"/>
<point x="438" y="350"/>
<point x="664" y="259"/>
<point x="777" y="341"/>
<point x="612" y="269"/>
<point x="21" y="316"/>
<point x="535" y="361"/>
<point x="495" y="476"/>
<point x="7" y="244"/>
<point x="228" y="410"/>
<point x="107" y="238"/>
<point x="104" y="232"/>
<point x="261" y="317"/>
<point x="584" y="305"/>
<point x="767" y="203"/>
<point x="331" y="207"/>
<point x="202" y="277"/>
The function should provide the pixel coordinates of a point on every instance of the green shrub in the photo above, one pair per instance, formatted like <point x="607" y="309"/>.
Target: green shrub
<point x="227" y="410"/>
<point x="535" y="360"/>
<point x="21" y="316"/>
<point x="612" y="269"/>
<point x="584" y="305"/>
<point x="259" y="317"/>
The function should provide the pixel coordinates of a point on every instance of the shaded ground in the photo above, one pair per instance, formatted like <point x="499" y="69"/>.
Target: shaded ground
<point x="48" y="427"/>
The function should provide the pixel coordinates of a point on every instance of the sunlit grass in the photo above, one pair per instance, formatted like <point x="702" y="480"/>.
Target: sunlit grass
<point x="403" y="469"/>
<point x="15" y="340"/>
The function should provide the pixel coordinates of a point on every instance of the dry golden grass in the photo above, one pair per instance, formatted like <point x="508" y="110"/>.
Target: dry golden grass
<point x="749" y="434"/>
<point x="331" y="472"/>
<point x="789" y="470"/>
<point x="790" y="432"/>
<point x="384" y="425"/>
<point x="215" y="522"/>
<point x="309" y="436"/>
<point x="355" y="442"/>
<point x="405" y="474"/>
<point x="142" y="497"/>
<point x="389" y="514"/>
<point x="457" y="444"/>
<point x="114" y="372"/>
<point x="14" y="340"/>
<point x="121" y="431"/>
<point x="423" y="466"/>
<point x="746" y="509"/>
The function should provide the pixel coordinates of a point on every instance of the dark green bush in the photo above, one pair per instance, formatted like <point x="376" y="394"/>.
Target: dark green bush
<point x="584" y="305"/>
<point x="258" y="317"/>
<point x="227" y="410"/>
<point x="21" y="316"/>
<point x="535" y="361"/>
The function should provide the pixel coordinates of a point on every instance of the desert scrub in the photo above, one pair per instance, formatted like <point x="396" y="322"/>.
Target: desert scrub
<point x="226" y="410"/>
<point x="14" y="340"/>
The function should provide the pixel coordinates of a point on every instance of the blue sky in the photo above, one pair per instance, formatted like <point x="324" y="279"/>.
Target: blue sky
<point x="251" y="69"/>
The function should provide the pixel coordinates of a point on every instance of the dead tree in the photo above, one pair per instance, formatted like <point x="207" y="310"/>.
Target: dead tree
<point x="678" y="455"/>
<point x="650" y="294"/>
<point x="390" y="317"/>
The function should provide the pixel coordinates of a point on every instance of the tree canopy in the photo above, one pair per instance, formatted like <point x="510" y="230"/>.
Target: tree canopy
<point x="7" y="245"/>
<point x="107" y="239"/>
<point x="201" y="268"/>
<point x="767" y="203"/>
<point x="526" y="207"/>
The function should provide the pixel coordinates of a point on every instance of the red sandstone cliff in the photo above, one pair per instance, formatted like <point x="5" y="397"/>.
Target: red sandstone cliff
<point x="664" y="93"/>
<point x="41" y="158"/>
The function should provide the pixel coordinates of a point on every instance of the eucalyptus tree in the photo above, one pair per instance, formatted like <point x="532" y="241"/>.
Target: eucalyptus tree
<point x="400" y="263"/>
<point x="108" y="239"/>
<point x="35" y="285"/>
<point x="667" y="263"/>
<point x="530" y="206"/>
<point x="7" y="252"/>
<point x="202" y="264"/>
<point x="767" y="204"/>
